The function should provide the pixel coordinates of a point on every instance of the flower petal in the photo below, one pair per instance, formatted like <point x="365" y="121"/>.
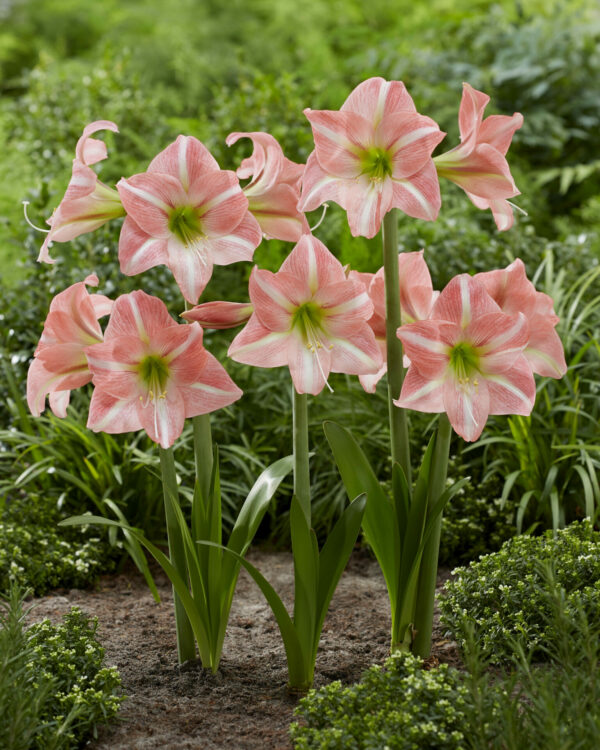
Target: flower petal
<point x="463" y="299"/>
<point x="498" y="130"/>
<point x="139" y="251"/>
<point x="421" y="393"/>
<point x="340" y="139"/>
<point x="112" y="415"/>
<point x="239" y="244"/>
<point x="467" y="407"/>
<point x="318" y="186"/>
<point x="213" y="389"/>
<point x="137" y="314"/>
<point x="276" y="297"/>
<point x="90" y="150"/>
<point x="220" y="202"/>
<point x="191" y="265"/>
<point x="427" y="345"/>
<point x="367" y="201"/>
<point x="258" y="346"/>
<point x="377" y="98"/>
<point x="187" y="160"/>
<point x="220" y="315"/>
<point x="419" y="196"/>
<point x="312" y="261"/>
<point x="276" y="212"/>
<point x="355" y="353"/>
<point x="513" y="391"/>
<point x="309" y="368"/>
<point x="409" y="140"/>
<point x="149" y="199"/>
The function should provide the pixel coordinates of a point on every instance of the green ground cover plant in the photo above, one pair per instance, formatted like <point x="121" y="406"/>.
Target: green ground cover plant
<point x="54" y="687"/>
<point x="504" y="593"/>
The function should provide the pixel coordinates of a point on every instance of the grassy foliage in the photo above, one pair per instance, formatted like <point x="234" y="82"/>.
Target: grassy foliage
<point x="54" y="689"/>
<point x="504" y="594"/>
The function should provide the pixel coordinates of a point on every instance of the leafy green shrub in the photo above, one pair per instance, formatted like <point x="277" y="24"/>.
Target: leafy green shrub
<point x="505" y="596"/>
<point x="400" y="706"/>
<point x="54" y="689"/>
<point x="36" y="554"/>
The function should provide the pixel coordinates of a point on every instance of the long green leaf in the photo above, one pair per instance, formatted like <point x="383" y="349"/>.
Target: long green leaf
<point x="334" y="558"/>
<point x="379" y="519"/>
<point x="134" y="549"/>
<point x="179" y="585"/>
<point x="296" y="663"/>
<point x="306" y="576"/>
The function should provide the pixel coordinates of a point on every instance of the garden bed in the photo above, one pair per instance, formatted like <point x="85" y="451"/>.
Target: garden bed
<point x="246" y="704"/>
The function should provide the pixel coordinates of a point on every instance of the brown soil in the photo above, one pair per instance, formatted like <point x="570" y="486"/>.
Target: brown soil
<point x="246" y="704"/>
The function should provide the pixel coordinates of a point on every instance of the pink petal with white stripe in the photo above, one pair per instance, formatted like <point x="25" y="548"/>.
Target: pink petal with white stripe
<point x="421" y="393"/>
<point x="354" y="351"/>
<point x="276" y="212"/>
<point x="513" y="391"/>
<point x="257" y="345"/>
<point x="318" y="186"/>
<point x="427" y="344"/>
<point x="309" y="369"/>
<point x="137" y="314"/>
<point x="213" y="391"/>
<point x="112" y="415"/>
<point x="149" y="200"/>
<point x="463" y="299"/>
<point x="377" y="98"/>
<point x="409" y="140"/>
<point x="419" y="196"/>
<point x="467" y="407"/>
<point x="220" y="315"/>
<point x="90" y="150"/>
<point x="544" y="350"/>
<point x="498" y="130"/>
<point x="220" y="202"/>
<point x="187" y="160"/>
<point x="347" y="302"/>
<point x="312" y="261"/>
<point x="367" y="202"/>
<point x="276" y="296"/>
<point x="239" y="244"/>
<point x="191" y="265"/>
<point x="164" y="419"/>
<point x="340" y="138"/>
<point x="139" y="251"/>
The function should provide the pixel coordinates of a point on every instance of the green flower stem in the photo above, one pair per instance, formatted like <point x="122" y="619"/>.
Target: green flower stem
<point x="186" y="647"/>
<point x="203" y="452"/>
<point x="400" y="448"/>
<point x="301" y="470"/>
<point x="423" y="622"/>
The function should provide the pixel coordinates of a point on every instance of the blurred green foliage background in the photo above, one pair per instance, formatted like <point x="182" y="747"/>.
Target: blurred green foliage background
<point x="206" y="68"/>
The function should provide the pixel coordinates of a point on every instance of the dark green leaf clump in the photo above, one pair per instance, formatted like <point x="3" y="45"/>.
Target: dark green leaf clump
<point x="38" y="555"/>
<point x="401" y="706"/>
<point x="54" y="689"/>
<point x="505" y="594"/>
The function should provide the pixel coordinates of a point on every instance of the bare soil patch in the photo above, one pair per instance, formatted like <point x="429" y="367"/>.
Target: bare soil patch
<point x="245" y="706"/>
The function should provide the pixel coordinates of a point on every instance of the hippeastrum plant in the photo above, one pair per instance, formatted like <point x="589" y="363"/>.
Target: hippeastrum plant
<point x="188" y="214"/>
<point x="151" y="373"/>
<point x="311" y="318"/>
<point x="374" y="157"/>
<point x="274" y="190"/>
<point x="88" y="203"/>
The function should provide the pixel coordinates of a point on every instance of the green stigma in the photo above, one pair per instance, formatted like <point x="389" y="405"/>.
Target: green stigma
<point x="154" y="372"/>
<point x="376" y="164"/>
<point x="308" y="318"/>
<point x="184" y="223"/>
<point x="464" y="361"/>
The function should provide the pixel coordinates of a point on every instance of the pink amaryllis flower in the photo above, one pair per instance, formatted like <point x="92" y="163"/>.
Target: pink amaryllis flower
<point x="373" y="155"/>
<point x="220" y="315"/>
<point x="88" y="203"/>
<point x="151" y="373"/>
<point x="467" y="359"/>
<point x="513" y="291"/>
<point x="186" y="213"/>
<point x="60" y="363"/>
<point x="478" y="165"/>
<point x="416" y="300"/>
<point x="310" y="317"/>
<point x="274" y="190"/>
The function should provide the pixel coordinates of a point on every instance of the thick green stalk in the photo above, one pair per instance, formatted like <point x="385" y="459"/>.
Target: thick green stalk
<point x="186" y="647"/>
<point x="301" y="470"/>
<point x="203" y="451"/>
<point x="423" y="623"/>
<point x="400" y="448"/>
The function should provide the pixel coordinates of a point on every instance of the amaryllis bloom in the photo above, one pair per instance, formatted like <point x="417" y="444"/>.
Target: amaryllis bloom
<point x="187" y="214"/>
<point x="274" y="190"/>
<point x="151" y="372"/>
<point x="88" y="203"/>
<point x="467" y="359"/>
<point x="373" y="155"/>
<point x="478" y="164"/>
<point x="416" y="300"/>
<point x="60" y="363"/>
<point x="513" y="291"/>
<point x="310" y="317"/>
<point x="220" y="315"/>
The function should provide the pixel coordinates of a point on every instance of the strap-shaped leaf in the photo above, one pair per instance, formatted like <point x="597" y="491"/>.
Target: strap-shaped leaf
<point x="379" y="519"/>
<point x="334" y="558"/>
<point x="190" y="606"/>
<point x="306" y="575"/>
<point x="298" y="668"/>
